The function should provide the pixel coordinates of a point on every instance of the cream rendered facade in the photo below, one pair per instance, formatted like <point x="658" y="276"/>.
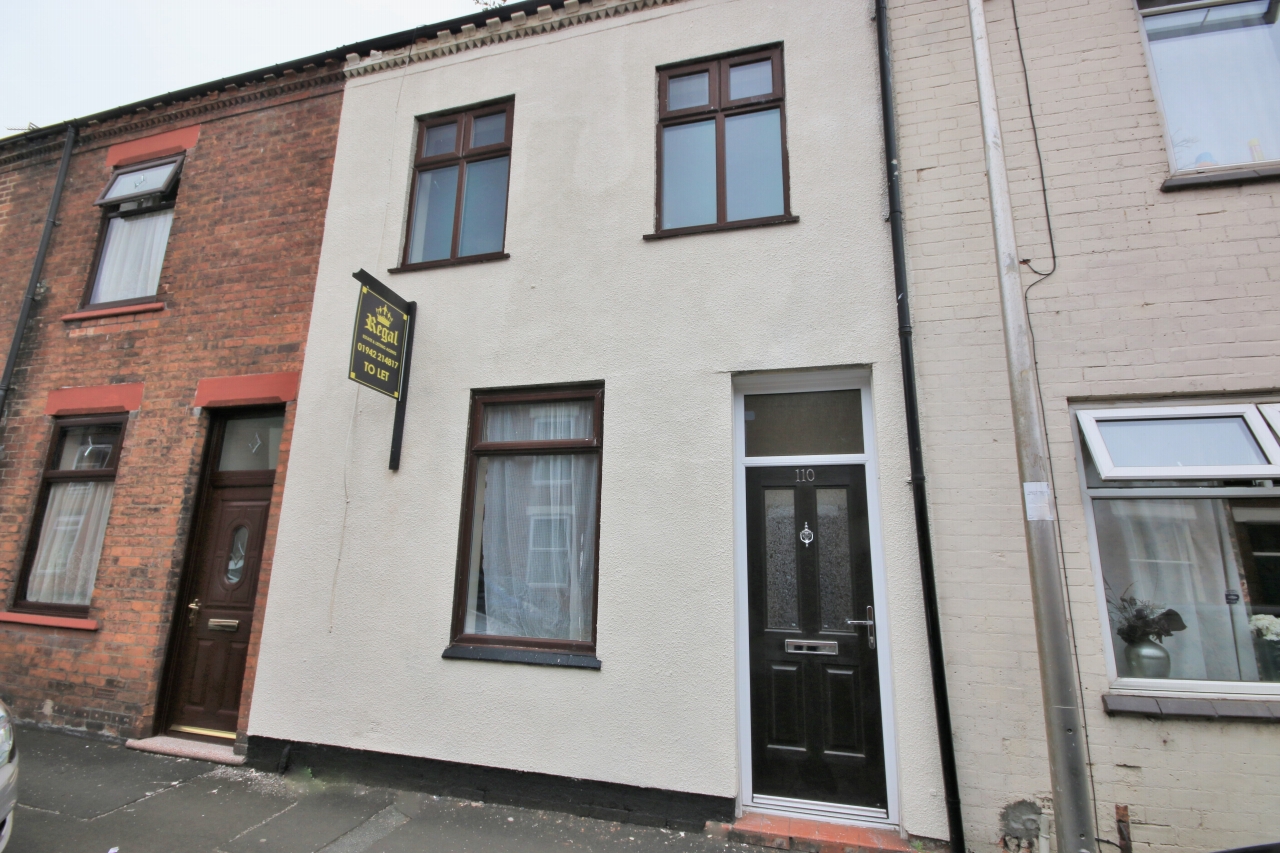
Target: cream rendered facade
<point x="363" y="582"/>
<point x="1159" y="298"/>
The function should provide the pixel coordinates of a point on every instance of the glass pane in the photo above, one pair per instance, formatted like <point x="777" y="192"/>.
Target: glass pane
<point x="132" y="256"/>
<point x="835" y="573"/>
<point x="66" y="561"/>
<point x="747" y="81"/>
<point x="1179" y="442"/>
<point x="235" y="561"/>
<point x="782" y="608"/>
<point x="87" y="447"/>
<point x="803" y="424"/>
<point x="539" y="421"/>
<point x="431" y="236"/>
<point x="753" y="165"/>
<point x="489" y="130"/>
<point x="442" y="139"/>
<point x="691" y="90"/>
<point x="1178" y="596"/>
<point x="1219" y="71"/>
<point x="484" y="207"/>
<point x="532" y="571"/>
<point x="689" y="175"/>
<point x="141" y="181"/>
<point x="251" y="444"/>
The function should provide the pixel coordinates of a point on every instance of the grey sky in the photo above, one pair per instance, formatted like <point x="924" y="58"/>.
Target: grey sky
<point x="71" y="58"/>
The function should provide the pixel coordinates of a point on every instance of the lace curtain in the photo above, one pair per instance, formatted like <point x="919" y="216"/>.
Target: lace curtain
<point x="132" y="257"/>
<point x="66" y="560"/>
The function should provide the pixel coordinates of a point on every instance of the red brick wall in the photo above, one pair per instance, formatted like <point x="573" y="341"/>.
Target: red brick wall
<point x="238" y="280"/>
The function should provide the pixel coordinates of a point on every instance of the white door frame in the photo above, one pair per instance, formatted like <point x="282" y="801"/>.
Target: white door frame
<point x="782" y="383"/>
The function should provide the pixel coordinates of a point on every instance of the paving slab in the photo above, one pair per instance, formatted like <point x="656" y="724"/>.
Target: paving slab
<point x="446" y="825"/>
<point x="85" y="778"/>
<point x="321" y="815"/>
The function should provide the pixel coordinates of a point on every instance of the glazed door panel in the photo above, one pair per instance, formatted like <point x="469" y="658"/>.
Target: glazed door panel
<point x="816" y="726"/>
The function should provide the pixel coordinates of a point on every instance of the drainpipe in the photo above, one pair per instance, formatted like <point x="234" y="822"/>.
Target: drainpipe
<point x="24" y="311"/>
<point x="1063" y="716"/>
<point x="933" y="624"/>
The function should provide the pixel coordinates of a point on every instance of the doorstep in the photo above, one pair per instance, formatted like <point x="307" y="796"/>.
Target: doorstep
<point x="181" y="748"/>
<point x="809" y="836"/>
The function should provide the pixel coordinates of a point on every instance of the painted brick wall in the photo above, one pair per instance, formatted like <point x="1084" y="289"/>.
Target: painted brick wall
<point x="238" y="280"/>
<point x="1155" y="294"/>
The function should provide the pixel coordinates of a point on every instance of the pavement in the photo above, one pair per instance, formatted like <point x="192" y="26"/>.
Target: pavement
<point x="77" y="795"/>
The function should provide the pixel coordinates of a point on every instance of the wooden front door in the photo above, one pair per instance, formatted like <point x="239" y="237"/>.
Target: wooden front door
<point x="816" y="730"/>
<point x="215" y="614"/>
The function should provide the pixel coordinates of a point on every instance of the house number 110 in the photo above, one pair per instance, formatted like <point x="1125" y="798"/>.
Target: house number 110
<point x="804" y="475"/>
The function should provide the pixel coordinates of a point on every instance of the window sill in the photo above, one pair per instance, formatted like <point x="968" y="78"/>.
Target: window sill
<point x="118" y="311"/>
<point x="50" y="621"/>
<point x="1226" y="177"/>
<point x="450" y="262"/>
<point x="1259" y="710"/>
<point x="502" y="654"/>
<point x="729" y="226"/>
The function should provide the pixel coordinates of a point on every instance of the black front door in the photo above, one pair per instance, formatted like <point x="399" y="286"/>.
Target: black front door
<point x="815" y="692"/>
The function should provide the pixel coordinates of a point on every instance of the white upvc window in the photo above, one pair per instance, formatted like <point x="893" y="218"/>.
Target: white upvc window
<point x="1184" y="523"/>
<point x="1217" y="70"/>
<point x="1182" y="443"/>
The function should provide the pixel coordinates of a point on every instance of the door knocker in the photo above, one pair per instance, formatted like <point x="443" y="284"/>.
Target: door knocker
<point x="806" y="535"/>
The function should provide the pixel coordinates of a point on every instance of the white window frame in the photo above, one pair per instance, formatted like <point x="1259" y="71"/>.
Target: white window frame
<point x="1155" y="87"/>
<point x="1169" y="687"/>
<point x="1262" y="434"/>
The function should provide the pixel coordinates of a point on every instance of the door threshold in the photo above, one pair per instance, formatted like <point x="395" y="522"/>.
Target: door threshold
<point x="821" y="811"/>
<point x="790" y="832"/>
<point x="196" y="750"/>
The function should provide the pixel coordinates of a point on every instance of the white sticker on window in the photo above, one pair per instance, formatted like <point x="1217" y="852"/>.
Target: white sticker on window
<point x="1039" y="501"/>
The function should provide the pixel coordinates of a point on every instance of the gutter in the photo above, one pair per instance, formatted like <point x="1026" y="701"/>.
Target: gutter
<point x="924" y="544"/>
<point x="24" y="312"/>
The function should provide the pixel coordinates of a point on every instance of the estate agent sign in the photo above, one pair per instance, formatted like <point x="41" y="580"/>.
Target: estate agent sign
<point x="382" y="346"/>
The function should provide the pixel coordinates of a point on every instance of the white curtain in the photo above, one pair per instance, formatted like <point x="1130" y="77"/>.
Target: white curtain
<point x="132" y="256"/>
<point x="536" y="572"/>
<point x="1180" y="554"/>
<point x="66" y="562"/>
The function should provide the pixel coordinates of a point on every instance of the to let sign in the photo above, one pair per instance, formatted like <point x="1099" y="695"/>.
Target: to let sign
<point x="381" y="338"/>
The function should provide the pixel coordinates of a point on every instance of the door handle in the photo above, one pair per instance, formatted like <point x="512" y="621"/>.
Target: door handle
<point x="193" y="610"/>
<point x="870" y="622"/>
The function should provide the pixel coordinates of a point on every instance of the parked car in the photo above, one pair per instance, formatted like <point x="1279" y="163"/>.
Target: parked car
<point x="8" y="776"/>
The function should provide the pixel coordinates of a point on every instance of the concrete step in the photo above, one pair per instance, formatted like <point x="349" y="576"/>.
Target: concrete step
<point x="182" y="748"/>
<point x="808" y="836"/>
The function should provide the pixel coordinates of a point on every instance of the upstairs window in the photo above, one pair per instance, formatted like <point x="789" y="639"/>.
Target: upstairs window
<point x="1186" y="520"/>
<point x="722" y="153"/>
<point x="138" y="202"/>
<point x="1217" y="67"/>
<point x="458" y="201"/>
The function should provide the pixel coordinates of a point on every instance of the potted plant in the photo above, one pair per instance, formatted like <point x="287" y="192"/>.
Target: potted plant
<point x="1143" y="625"/>
<point x="1266" y="645"/>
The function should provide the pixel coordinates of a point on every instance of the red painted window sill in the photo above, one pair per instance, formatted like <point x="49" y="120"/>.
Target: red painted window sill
<point x="118" y="311"/>
<point x="50" y="621"/>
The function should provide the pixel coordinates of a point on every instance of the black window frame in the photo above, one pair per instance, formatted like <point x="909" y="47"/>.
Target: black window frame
<point x="720" y="107"/>
<point x="524" y="649"/>
<point x="463" y="155"/>
<point x="49" y="476"/>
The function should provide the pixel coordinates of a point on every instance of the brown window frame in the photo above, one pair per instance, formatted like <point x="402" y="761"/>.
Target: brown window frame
<point x="49" y="476"/>
<point x="152" y="201"/>
<point x="720" y="106"/>
<point x="476" y="448"/>
<point x="463" y="155"/>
